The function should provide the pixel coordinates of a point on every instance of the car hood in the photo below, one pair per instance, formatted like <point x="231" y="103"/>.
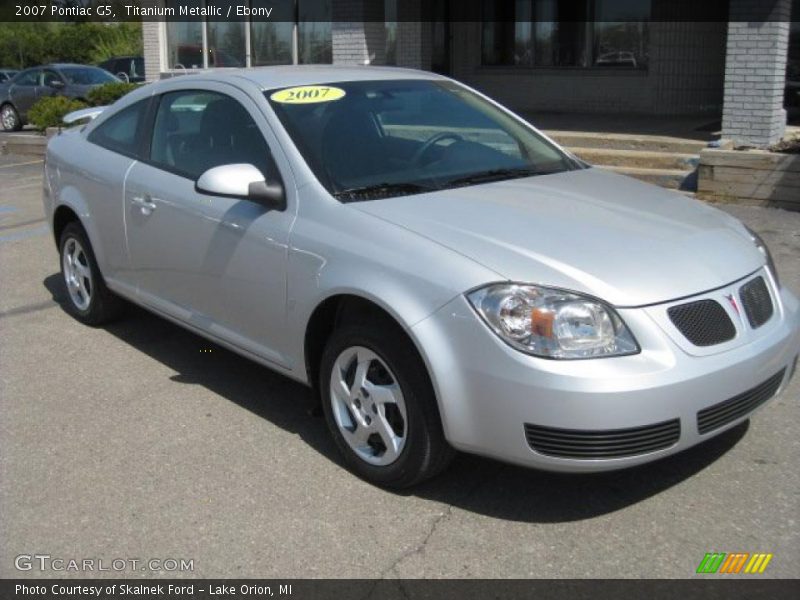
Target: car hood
<point x="591" y="231"/>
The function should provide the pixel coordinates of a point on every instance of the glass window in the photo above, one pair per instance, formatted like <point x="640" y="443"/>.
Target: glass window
<point x="28" y="77"/>
<point x="50" y="77"/>
<point x="385" y="138"/>
<point x="120" y="132"/>
<point x="87" y="75"/>
<point x="226" y="44"/>
<point x="565" y="33"/>
<point x="197" y="130"/>
<point x="620" y="33"/>
<point x="390" y="24"/>
<point x="271" y="41"/>
<point x="507" y="33"/>
<point x="314" y="32"/>
<point x="185" y="40"/>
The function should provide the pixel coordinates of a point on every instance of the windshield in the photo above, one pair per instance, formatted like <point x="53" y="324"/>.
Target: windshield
<point x="375" y="139"/>
<point x="86" y="75"/>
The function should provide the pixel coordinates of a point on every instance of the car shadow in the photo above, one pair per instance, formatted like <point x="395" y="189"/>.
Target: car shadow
<point x="472" y="483"/>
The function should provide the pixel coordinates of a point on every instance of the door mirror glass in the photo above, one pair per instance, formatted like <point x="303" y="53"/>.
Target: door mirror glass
<point x="241" y="181"/>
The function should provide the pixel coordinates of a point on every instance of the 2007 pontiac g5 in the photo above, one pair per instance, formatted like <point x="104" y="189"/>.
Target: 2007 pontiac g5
<point x="445" y="276"/>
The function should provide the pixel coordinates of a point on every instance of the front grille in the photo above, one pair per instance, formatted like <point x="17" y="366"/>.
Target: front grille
<point x="757" y="302"/>
<point x="598" y="444"/>
<point x="704" y="323"/>
<point x="725" y="412"/>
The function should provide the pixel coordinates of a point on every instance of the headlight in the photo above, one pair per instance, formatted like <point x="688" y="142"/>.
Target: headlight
<point x="762" y="247"/>
<point x="552" y="323"/>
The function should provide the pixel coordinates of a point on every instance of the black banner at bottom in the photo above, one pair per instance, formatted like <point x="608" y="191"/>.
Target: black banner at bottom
<point x="401" y="589"/>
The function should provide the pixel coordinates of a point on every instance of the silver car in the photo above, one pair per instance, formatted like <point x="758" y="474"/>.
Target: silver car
<point x="441" y="273"/>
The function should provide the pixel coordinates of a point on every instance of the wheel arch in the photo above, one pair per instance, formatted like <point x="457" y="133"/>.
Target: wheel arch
<point x="340" y="308"/>
<point x="70" y="205"/>
<point x="63" y="216"/>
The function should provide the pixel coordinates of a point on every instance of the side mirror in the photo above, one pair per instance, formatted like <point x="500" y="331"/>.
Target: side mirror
<point x="56" y="84"/>
<point x="241" y="181"/>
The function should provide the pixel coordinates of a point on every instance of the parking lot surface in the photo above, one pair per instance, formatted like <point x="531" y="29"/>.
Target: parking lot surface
<point x="140" y="440"/>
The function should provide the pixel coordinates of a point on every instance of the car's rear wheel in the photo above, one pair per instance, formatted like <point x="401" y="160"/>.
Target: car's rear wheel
<point x="380" y="406"/>
<point x="88" y="298"/>
<point x="9" y="118"/>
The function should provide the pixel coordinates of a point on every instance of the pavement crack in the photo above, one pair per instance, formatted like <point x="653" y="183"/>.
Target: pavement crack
<point x="436" y="523"/>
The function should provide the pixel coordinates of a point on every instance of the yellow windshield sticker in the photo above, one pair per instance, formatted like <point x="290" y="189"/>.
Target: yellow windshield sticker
<point x="308" y="94"/>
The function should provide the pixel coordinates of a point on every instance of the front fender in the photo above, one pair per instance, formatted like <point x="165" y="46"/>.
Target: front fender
<point x="340" y="250"/>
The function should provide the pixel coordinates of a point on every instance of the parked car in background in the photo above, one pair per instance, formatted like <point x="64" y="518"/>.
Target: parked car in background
<point x="28" y="86"/>
<point x="127" y="68"/>
<point x="6" y="74"/>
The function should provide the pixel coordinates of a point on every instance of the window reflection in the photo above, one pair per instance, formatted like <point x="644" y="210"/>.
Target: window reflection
<point x="314" y="32"/>
<point x="565" y="33"/>
<point x="226" y="44"/>
<point x="185" y="41"/>
<point x="271" y="40"/>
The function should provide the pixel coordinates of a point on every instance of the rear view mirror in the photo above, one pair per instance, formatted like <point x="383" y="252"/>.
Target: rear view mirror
<point x="242" y="181"/>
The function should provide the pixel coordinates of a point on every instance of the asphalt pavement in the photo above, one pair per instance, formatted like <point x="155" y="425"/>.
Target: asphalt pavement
<point x="142" y="441"/>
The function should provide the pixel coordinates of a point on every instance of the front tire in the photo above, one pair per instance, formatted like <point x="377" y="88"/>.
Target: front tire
<point x="9" y="118"/>
<point x="88" y="298"/>
<point x="380" y="406"/>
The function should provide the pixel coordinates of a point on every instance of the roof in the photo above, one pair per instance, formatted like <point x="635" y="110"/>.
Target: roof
<point x="292" y="75"/>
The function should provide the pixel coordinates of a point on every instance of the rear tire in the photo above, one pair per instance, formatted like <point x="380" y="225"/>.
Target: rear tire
<point x="88" y="298"/>
<point x="9" y="118"/>
<point x="380" y="406"/>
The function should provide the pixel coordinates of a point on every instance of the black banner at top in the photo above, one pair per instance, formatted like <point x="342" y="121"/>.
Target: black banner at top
<point x="395" y="10"/>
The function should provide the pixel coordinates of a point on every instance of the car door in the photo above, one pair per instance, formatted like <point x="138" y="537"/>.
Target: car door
<point x="218" y="263"/>
<point x="23" y="90"/>
<point x="52" y="84"/>
<point x="114" y="146"/>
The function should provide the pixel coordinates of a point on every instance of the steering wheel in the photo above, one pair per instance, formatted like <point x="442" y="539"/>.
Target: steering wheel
<point x="432" y="141"/>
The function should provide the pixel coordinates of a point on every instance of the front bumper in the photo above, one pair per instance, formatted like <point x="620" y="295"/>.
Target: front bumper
<point x="488" y="391"/>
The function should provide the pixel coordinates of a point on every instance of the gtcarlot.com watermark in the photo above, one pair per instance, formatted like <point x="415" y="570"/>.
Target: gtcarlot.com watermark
<point x="46" y="562"/>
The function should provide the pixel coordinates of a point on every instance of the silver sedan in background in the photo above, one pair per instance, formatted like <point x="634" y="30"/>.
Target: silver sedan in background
<point x="441" y="273"/>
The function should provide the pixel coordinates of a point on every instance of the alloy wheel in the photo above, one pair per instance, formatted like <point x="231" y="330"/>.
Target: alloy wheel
<point x="77" y="274"/>
<point x="368" y="406"/>
<point x="8" y="118"/>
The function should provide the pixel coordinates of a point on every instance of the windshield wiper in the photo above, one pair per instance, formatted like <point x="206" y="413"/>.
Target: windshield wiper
<point x="381" y="190"/>
<point x="494" y="175"/>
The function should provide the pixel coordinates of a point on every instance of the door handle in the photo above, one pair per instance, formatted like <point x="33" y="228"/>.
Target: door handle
<point x="144" y="203"/>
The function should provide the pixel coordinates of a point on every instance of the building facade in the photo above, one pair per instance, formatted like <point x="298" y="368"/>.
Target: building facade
<point x="569" y="56"/>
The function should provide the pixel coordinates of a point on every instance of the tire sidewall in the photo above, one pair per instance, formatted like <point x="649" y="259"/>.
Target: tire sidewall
<point x="415" y="453"/>
<point x="76" y="232"/>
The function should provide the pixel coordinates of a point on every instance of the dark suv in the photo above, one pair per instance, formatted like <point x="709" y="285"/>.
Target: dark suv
<point x="28" y="86"/>
<point x="127" y="68"/>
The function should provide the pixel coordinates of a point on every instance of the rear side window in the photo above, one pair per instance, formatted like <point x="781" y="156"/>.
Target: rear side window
<point x="196" y="130"/>
<point x="28" y="78"/>
<point x="120" y="132"/>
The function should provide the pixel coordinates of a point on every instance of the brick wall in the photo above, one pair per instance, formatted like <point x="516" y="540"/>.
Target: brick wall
<point x="755" y="72"/>
<point x="151" y="39"/>
<point x="358" y="33"/>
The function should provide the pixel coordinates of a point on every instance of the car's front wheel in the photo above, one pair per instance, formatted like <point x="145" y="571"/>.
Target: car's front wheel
<point x="88" y="298"/>
<point x="380" y="406"/>
<point x="9" y="118"/>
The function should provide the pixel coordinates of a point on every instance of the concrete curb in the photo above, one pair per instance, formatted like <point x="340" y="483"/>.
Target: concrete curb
<point x="23" y="144"/>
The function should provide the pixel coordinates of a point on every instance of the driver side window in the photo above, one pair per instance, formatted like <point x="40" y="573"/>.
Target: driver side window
<point x="196" y="130"/>
<point x="50" y="77"/>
